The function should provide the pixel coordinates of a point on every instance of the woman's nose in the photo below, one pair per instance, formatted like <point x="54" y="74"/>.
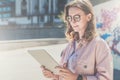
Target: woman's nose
<point x="73" y="21"/>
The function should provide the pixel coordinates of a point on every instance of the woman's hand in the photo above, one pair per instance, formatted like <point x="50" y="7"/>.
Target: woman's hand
<point x="66" y="74"/>
<point x="47" y="73"/>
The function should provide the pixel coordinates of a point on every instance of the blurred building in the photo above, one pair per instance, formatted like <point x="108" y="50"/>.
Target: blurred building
<point x="30" y="11"/>
<point x="35" y="12"/>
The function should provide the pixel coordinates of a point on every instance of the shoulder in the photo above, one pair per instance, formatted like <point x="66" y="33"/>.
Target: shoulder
<point x="99" y="41"/>
<point x="100" y="44"/>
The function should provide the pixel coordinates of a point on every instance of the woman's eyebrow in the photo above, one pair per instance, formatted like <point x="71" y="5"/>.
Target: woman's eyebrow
<point x="75" y="14"/>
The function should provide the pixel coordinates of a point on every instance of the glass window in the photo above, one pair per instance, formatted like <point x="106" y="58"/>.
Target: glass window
<point x="6" y="15"/>
<point x="8" y="8"/>
<point x="0" y="9"/>
<point x="30" y="25"/>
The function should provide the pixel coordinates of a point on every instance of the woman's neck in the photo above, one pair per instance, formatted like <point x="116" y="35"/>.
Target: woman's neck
<point x="81" y="33"/>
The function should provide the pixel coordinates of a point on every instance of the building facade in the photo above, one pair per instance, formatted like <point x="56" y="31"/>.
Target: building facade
<point x="19" y="12"/>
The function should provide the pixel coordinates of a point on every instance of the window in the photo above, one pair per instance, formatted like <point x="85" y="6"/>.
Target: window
<point x="31" y="25"/>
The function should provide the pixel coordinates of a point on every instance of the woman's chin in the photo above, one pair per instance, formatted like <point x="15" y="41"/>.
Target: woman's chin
<point x="76" y="30"/>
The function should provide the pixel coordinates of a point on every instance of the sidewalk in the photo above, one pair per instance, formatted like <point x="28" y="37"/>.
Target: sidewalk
<point x="19" y="65"/>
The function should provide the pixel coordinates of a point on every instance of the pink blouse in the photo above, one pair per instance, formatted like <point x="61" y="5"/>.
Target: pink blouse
<point x="93" y="59"/>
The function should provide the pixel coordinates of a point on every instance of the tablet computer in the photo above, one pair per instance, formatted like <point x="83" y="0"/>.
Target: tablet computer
<point x="45" y="59"/>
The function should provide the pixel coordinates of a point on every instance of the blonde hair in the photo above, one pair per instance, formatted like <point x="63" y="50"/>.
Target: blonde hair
<point x="90" y="31"/>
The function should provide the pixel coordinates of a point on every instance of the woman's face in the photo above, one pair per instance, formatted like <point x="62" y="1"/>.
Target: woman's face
<point x="78" y="19"/>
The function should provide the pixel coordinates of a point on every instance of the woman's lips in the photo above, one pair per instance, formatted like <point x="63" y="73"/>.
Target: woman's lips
<point x="75" y="26"/>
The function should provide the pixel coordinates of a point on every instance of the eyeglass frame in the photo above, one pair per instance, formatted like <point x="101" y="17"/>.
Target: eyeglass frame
<point x="73" y="18"/>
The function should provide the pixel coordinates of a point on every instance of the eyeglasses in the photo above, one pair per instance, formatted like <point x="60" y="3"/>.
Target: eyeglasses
<point x="76" y="18"/>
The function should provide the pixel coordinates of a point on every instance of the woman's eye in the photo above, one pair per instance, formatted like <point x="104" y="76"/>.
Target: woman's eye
<point x="77" y="18"/>
<point x="68" y="18"/>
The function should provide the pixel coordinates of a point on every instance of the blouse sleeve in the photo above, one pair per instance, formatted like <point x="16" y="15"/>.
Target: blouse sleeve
<point x="63" y="54"/>
<point x="104" y="63"/>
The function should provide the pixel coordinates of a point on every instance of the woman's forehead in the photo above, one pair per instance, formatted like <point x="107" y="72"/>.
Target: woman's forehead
<point x="75" y="10"/>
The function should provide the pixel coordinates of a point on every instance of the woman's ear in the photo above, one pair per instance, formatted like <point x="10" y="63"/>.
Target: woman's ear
<point x="89" y="17"/>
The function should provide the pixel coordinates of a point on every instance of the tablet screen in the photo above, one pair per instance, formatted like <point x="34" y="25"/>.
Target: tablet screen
<point x="44" y="58"/>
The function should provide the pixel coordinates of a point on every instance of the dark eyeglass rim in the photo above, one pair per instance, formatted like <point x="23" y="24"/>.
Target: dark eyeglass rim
<point x="72" y="18"/>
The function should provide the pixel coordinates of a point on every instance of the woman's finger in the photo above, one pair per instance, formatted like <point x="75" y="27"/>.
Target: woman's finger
<point x="64" y="65"/>
<point x="48" y="74"/>
<point x="64" y="73"/>
<point x="62" y="69"/>
<point x="46" y="71"/>
<point x="42" y="67"/>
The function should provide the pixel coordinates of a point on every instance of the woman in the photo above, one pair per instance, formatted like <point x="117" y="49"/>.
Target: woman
<point x="87" y="56"/>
